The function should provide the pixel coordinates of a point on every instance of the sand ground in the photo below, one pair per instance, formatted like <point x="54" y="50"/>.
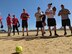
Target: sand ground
<point x="37" y="45"/>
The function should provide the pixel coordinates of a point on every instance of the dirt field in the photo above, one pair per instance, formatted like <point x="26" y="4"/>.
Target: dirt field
<point x="37" y="45"/>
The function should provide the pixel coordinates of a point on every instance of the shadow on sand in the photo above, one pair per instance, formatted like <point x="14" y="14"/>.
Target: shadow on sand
<point x="28" y="38"/>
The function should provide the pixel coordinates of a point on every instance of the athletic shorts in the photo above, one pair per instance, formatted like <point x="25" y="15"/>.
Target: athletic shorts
<point x="66" y="22"/>
<point x="24" y="24"/>
<point x="39" y="24"/>
<point x="51" y="21"/>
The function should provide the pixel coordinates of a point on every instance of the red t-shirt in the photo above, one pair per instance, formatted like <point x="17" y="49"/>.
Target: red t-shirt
<point x="0" y="18"/>
<point x="23" y="16"/>
<point x="14" y="21"/>
<point x="8" y="19"/>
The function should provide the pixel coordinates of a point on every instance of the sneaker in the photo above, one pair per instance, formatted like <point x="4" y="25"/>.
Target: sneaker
<point x="36" y="35"/>
<point x="23" y="35"/>
<point x="18" y="33"/>
<point x="50" y="35"/>
<point x="56" y="35"/>
<point x="8" y="34"/>
<point x="65" y="33"/>
<point x="42" y="34"/>
<point x="27" y="35"/>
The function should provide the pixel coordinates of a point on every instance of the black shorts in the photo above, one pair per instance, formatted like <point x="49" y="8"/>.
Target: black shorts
<point x="51" y="22"/>
<point x="15" y="27"/>
<point x="66" y="22"/>
<point x="39" y="24"/>
<point x="24" y="24"/>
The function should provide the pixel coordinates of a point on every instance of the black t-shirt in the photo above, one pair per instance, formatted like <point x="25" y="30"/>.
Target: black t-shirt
<point x="44" y="17"/>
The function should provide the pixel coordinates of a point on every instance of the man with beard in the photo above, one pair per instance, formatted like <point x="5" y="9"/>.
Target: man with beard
<point x="65" y="18"/>
<point x="39" y="21"/>
<point x="15" y="23"/>
<point x="8" y="19"/>
<point x="50" y="13"/>
<point x="24" y="16"/>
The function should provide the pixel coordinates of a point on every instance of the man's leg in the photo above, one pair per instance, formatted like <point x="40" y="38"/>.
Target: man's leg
<point x="37" y="31"/>
<point x="70" y="29"/>
<point x="23" y="23"/>
<point x="13" y="30"/>
<point x="42" y="30"/>
<point x="27" y="31"/>
<point x="23" y="31"/>
<point x="17" y="30"/>
<point x="55" y="31"/>
<point x="65" y="30"/>
<point x="8" y="31"/>
<point x="26" y="25"/>
<point x="50" y="31"/>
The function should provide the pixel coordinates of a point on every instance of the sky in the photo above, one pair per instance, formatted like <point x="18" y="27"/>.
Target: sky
<point x="16" y="6"/>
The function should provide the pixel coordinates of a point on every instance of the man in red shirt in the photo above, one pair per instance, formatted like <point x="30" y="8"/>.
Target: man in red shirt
<point x="24" y="16"/>
<point x="8" y="19"/>
<point x="1" y="21"/>
<point x="15" y="23"/>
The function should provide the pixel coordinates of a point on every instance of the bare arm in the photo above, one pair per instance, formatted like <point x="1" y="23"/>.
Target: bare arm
<point x="21" y="16"/>
<point x="28" y="16"/>
<point x="35" y="15"/>
<point x="59" y="13"/>
<point x="69" y="12"/>
<point x="54" y="12"/>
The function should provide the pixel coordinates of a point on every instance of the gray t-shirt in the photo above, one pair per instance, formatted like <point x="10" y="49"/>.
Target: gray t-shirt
<point x="64" y="16"/>
<point x="50" y="15"/>
<point x="37" y="15"/>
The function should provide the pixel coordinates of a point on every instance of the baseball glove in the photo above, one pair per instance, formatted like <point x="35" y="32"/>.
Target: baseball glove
<point x="1" y="26"/>
<point x="54" y="8"/>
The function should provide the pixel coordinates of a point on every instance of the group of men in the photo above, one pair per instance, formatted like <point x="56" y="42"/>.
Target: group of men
<point x="12" y="21"/>
<point x="15" y="23"/>
<point x="51" y="22"/>
<point x="40" y="20"/>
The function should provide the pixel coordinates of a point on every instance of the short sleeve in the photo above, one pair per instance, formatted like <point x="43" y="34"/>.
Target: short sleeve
<point x="0" y="18"/>
<point x="59" y="12"/>
<point x="47" y="10"/>
<point x="27" y="14"/>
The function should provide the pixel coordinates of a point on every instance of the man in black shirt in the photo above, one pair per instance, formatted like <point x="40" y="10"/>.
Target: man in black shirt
<point x="43" y="20"/>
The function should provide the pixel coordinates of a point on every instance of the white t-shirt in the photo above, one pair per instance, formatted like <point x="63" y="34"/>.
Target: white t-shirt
<point x="50" y="15"/>
<point x="37" y="15"/>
